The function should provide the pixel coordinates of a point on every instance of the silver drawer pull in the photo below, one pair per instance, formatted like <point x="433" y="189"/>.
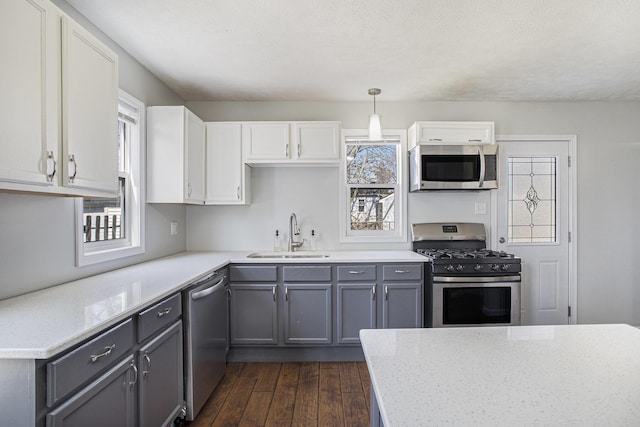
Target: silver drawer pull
<point x="402" y="271"/>
<point x="164" y="312"/>
<point x="145" y="372"/>
<point x="356" y="272"/>
<point x="135" y="375"/>
<point x="107" y="351"/>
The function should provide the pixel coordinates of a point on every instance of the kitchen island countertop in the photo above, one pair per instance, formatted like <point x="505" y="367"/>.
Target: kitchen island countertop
<point x="570" y="375"/>
<point x="41" y="324"/>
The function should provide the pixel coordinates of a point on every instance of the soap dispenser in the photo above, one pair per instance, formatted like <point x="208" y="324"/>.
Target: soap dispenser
<point x="312" y="240"/>
<point x="276" y="242"/>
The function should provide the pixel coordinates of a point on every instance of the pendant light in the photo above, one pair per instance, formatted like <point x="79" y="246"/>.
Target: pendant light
<point x="375" y="129"/>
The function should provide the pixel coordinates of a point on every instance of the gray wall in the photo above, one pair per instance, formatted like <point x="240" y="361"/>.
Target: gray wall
<point x="38" y="232"/>
<point x="608" y="151"/>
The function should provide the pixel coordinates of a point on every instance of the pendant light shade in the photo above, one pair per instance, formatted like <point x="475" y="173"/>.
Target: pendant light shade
<point x="375" y="128"/>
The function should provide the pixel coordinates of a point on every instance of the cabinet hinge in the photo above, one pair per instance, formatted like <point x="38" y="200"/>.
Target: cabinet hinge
<point x="569" y="237"/>
<point x="569" y="163"/>
<point x="569" y="311"/>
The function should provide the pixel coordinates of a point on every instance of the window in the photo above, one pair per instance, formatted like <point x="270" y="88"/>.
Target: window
<point x="373" y="201"/>
<point x="112" y="228"/>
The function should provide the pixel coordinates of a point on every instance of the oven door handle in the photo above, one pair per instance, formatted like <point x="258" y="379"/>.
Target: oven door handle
<point x="471" y="279"/>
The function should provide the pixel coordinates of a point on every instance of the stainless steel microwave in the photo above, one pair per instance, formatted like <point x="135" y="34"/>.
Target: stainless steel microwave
<point x="453" y="167"/>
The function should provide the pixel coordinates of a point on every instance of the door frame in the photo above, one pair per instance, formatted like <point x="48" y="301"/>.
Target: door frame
<point x="573" y="214"/>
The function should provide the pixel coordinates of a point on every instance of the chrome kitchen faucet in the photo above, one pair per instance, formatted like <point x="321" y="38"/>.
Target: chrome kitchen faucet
<point x="294" y="231"/>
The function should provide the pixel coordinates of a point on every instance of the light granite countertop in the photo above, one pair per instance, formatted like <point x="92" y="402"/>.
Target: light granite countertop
<point x="570" y="375"/>
<point x="41" y="324"/>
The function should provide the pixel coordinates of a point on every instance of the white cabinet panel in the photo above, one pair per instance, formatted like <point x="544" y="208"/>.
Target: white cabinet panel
<point x="175" y="156"/>
<point x="226" y="175"/>
<point x="89" y="110"/>
<point x="266" y="140"/>
<point x="30" y="83"/>
<point x="451" y="133"/>
<point x="316" y="140"/>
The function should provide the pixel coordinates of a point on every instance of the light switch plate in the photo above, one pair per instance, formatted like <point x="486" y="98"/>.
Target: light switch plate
<point x="174" y="228"/>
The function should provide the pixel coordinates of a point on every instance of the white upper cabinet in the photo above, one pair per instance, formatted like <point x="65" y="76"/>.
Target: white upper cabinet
<point x="316" y="140"/>
<point x="89" y="111"/>
<point x="303" y="143"/>
<point x="451" y="133"/>
<point x="30" y="75"/>
<point x="175" y="156"/>
<point x="59" y="111"/>
<point x="228" y="178"/>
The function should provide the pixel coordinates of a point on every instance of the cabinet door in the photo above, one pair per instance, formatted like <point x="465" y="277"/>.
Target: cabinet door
<point x="161" y="389"/>
<point x="307" y="314"/>
<point x="108" y="401"/>
<point x="226" y="173"/>
<point x="29" y="34"/>
<point x="402" y="305"/>
<point x="253" y="312"/>
<point x="194" y="152"/>
<point x="266" y="141"/>
<point x="89" y="111"/>
<point x="356" y="309"/>
<point x="316" y="140"/>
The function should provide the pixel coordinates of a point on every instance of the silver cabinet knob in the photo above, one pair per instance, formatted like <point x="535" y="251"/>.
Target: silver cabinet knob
<point x="502" y="240"/>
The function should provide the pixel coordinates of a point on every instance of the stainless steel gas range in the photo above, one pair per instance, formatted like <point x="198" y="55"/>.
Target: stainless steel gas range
<point x="466" y="284"/>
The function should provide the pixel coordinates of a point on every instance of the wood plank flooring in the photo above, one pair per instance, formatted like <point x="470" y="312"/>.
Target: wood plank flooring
<point x="289" y="394"/>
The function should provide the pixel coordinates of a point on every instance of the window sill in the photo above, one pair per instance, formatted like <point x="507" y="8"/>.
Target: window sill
<point x="104" y="255"/>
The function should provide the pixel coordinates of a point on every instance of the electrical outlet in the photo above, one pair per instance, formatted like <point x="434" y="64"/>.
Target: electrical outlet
<point x="174" y="228"/>
<point x="481" y="209"/>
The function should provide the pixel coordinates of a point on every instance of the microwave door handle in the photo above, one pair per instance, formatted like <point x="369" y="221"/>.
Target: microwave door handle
<point x="482" y="166"/>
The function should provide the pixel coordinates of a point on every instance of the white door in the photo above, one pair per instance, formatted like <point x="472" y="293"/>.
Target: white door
<point x="533" y="222"/>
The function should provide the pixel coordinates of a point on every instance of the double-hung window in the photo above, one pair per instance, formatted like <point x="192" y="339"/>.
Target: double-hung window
<point x="372" y="188"/>
<point x="112" y="228"/>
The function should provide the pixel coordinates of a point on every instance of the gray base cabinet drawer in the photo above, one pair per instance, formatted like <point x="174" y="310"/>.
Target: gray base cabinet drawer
<point x="108" y="401"/>
<point x="356" y="273"/>
<point x="159" y="316"/>
<point x="307" y="273"/>
<point x="73" y="369"/>
<point x="253" y="273"/>
<point x="402" y="272"/>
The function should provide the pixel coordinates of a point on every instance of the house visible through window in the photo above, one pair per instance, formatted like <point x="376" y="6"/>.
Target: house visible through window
<point x="372" y="195"/>
<point x="111" y="228"/>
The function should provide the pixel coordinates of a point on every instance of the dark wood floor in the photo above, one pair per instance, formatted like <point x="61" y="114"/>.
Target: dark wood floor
<point x="289" y="394"/>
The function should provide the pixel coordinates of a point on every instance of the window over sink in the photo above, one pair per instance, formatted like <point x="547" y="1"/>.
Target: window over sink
<point x="372" y="188"/>
<point x="112" y="228"/>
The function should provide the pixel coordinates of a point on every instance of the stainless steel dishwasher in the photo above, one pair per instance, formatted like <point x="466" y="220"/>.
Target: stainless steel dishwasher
<point x="206" y="322"/>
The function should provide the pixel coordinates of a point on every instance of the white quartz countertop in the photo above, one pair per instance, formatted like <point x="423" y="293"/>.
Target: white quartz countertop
<point x="41" y="324"/>
<point x="571" y="375"/>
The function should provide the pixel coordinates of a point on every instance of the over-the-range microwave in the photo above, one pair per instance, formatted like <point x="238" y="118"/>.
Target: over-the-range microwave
<point x="453" y="167"/>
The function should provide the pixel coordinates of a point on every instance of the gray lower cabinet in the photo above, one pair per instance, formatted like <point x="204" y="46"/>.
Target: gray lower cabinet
<point x="161" y="378"/>
<point x="402" y="305"/>
<point x="254" y="314"/>
<point x="108" y="401"/>
<point x="114" y="380"/>
<point x="307" y="313"/>
<point x="355" y="310"/>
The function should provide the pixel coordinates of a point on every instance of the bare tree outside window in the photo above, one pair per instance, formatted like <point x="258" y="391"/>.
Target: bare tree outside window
<point x="371" y="172"/>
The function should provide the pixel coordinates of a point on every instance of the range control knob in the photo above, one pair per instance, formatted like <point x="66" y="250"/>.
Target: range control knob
<point x="459" y="267"/>
<point x="505" y="267"/>
<point x="477" y="267"/>
<point x="495" y="267"/>
<point x="449" y="267"/>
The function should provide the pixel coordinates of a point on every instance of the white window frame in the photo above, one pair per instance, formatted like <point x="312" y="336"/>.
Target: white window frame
<point x="134" y="241"/>
<point x="399" y="234"/>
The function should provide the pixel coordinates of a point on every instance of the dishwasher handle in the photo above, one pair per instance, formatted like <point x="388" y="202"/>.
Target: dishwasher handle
<point x="208" y="291"/>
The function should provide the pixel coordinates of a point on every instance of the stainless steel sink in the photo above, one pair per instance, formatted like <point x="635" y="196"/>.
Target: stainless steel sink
<point x="287" y="255"/>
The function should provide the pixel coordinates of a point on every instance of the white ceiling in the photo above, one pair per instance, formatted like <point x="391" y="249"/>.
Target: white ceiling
<point x="427" y="50"/>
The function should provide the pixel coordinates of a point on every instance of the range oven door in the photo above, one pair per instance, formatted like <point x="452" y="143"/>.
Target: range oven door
<point x="475" y="301"/>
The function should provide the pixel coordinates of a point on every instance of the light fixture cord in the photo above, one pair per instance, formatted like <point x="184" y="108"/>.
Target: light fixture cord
<point x="374" y="104"/>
